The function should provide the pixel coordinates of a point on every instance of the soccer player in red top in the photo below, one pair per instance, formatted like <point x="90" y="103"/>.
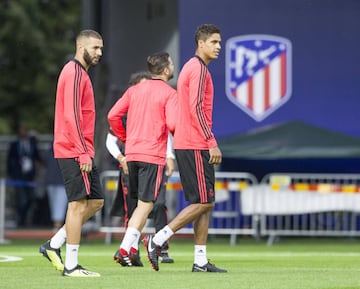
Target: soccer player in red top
<point x="123" y="203"/>
<point x="151" y="113"/>
<point x="74" y="150"/>
<point x="196" y="150"/>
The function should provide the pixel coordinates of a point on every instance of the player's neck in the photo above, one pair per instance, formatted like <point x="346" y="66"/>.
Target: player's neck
<point x="82" y="62"/>
<point x="203" y="57"/>
<point x="160" y="77"/>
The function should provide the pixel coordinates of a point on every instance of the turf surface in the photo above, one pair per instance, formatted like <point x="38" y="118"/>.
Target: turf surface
<point x="288" y="264"/>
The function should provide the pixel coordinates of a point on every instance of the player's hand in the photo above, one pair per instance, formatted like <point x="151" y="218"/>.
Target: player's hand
<point x="85" y="163"/>
<point x="86" y="168"/>
<point x="124" y="166"/>
<point x="170" y="166"/>
<point x="215" y="156"/>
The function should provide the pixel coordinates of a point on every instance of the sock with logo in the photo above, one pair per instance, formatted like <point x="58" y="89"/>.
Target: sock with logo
<point x="71" y="257"/>
<point x="132" y="235"/>
<point x="200" y="255"/>
<point x="163" y="235"/>
<point x="135" y="246"/>
<point x="58" y="239"/>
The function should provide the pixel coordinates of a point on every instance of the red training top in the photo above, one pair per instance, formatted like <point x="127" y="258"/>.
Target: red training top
<point x="74" y="113"/>
<point x="195" y="103"/>
<point x="151" y="114"/>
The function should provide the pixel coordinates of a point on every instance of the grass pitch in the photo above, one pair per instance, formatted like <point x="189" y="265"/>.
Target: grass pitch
<point x="288" y="264"/>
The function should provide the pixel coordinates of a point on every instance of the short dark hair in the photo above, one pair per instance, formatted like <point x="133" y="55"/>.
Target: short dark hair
<point x="136" y="77"/>
<point x="204" y="31"/>
<point x="88" y="33"/>
<point x="157" y="62"/>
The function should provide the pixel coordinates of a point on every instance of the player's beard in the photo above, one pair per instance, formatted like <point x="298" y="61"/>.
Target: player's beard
<point x="171" y="76"/>
<point x="88" y="59"/>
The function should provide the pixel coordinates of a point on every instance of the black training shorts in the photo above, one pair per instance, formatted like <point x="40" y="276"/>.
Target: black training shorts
<point x="145" y="180"/>
<point x="197" y="175"/>
<point x="79" y="185"/>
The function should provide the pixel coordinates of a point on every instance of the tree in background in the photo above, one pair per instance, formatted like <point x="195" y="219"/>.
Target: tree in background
<point x="35" y="37"/>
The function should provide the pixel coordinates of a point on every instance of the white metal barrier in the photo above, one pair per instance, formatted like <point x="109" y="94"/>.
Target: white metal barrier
<point x="2" y="211"/>
<point x="306" y="204"/>
<point x="282" y="204"/>
<point x="226" y="219"/>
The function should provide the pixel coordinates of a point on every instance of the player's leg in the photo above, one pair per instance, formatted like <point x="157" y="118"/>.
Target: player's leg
<point x="160" y="218"/>
<point x="95" y="196"/>
<point x="85" y="198"/>
<point x="143" y="183"/>
<point x="187" y="164"/>
<point x="118" y="203"/>
<point x="201" y="223"/>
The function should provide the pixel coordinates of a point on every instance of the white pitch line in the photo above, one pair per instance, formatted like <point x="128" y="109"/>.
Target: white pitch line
<point x="6" y="258"/>
<point x="230" y="255"/>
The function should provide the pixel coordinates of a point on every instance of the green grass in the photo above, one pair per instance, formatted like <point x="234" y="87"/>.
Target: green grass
<point x="288" y="264"/>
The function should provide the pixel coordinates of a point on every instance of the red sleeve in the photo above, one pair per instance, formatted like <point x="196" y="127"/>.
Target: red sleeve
<point x="74" y="89"/>
<point x="171" y="112"/>
<point x="116" y="114"/>
<point x="199" y="102"/>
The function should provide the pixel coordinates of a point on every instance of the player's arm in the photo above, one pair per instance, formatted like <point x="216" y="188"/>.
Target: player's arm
<point x="201" y="107"/>
<point x="171" y="112"/>
<point x="112" y="146"/>
<point x="114" y="150"/>
<point x="116" y="115"/>
<point x="197" y="83"/>
<point x="170" y="156"/>
<point x="73" y="119"/>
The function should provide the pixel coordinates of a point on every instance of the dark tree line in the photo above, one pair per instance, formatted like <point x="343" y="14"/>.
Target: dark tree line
<point x="36" y="38"/>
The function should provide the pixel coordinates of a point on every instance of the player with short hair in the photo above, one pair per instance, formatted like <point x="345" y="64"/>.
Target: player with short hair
<point x="74" y="129"/>
<point x="196" y="150"/>
<point x="124" y="204"/>
<point x="151" y="112"/>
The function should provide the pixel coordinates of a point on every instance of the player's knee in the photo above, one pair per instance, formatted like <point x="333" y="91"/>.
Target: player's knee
<point x="77" y="207"/>
<point x="97" y="204"/>
<point x="203" y="207"/>
<point x="208" y="206"/>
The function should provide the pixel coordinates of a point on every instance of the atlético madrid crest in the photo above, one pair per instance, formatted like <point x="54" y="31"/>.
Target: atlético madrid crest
<point x="258" y="73"/>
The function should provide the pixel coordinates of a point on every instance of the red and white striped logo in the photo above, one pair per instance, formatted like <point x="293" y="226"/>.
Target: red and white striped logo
<point x="258" y="73"/>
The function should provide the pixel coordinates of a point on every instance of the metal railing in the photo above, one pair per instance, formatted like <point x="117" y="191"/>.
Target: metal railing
<point x="2" y="211"/>
<point x="308" y="205"/>
<point x="282" y="204"/>
<point x="226" y="218"/>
